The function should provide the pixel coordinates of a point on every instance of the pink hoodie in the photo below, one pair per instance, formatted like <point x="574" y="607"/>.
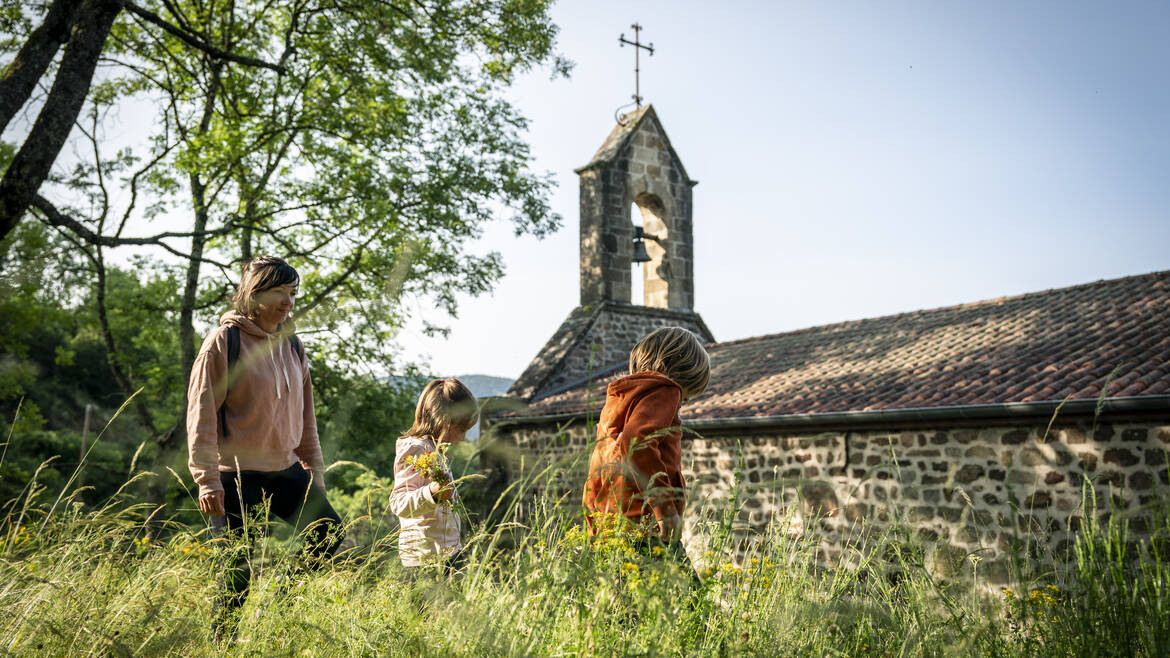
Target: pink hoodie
<point x="268" y="413"/>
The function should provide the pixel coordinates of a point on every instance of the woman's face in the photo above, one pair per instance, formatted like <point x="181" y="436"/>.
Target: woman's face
<point x="274" y="305"/>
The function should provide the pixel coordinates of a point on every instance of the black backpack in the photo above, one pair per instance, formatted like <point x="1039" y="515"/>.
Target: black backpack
<point x="233" y="355"/>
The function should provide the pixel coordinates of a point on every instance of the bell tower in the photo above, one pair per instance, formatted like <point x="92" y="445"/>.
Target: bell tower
<point x="636" y="167"/>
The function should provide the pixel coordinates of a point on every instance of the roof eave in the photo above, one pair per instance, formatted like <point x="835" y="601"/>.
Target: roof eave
<point x="879" y="417"/>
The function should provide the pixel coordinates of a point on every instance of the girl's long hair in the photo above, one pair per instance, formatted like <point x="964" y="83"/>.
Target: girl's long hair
<point x="443" y="404"/>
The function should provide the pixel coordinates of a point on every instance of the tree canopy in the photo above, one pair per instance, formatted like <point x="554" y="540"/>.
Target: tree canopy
<point x="367" y="143"/>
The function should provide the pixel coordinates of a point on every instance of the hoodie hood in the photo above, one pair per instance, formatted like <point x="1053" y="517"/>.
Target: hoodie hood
<point x="243" y="323"/>
<point x="639" y="383"/>
<point x="625" y="393"/>
<point x="275" y="347"/>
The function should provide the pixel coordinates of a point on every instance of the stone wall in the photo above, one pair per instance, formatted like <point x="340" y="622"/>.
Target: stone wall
<point x="966" y="490"/>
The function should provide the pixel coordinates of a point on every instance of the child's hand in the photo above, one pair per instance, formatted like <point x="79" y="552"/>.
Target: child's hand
<point x="441" y="492"/>
<point x="669" y="527"/>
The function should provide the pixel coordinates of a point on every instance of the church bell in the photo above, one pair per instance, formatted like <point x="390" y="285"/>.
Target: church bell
<point x="640" y="255"/>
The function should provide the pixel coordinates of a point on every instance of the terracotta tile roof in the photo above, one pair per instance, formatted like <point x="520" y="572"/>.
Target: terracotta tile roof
<point x="1050" y="345"/>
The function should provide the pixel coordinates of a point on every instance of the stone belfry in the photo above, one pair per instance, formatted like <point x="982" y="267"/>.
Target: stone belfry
<point x="635" y="167"/>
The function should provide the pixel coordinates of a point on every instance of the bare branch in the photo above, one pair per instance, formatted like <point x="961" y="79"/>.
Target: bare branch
<point x="55" y="217"/>
<point x="186" y="38"/>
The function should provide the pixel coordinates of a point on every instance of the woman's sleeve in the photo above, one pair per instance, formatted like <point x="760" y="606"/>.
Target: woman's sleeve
<point x="309" y="449"/>
<point x="411" y="495"/>
<point x="205" y="394"/>
<point x="650" y="420"/>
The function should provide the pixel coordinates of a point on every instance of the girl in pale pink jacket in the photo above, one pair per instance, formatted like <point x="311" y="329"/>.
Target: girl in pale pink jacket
<point x="429" y="531"/>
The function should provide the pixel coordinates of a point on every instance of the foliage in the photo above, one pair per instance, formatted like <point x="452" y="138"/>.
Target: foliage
<point x="83" y="580"/>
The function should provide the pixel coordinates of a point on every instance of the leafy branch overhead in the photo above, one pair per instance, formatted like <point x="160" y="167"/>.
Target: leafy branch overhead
<point x="368" y="143"/>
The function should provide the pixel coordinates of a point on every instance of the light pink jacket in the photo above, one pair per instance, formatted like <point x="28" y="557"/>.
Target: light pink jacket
<point x="268" y="413"/>
<point x="427" y="528"/>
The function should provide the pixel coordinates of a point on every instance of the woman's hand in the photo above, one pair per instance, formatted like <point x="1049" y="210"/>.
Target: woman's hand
<point x="669" y="527"/>
<point x="441" y="492"/>
<point x="212" y="503"/>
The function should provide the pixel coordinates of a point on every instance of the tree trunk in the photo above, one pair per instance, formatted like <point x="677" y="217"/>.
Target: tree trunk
<point x="32" y="163"/>
<point x="21" y="76"/>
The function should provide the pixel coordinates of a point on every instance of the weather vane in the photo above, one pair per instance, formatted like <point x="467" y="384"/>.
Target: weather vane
<point x="623" y="41"/>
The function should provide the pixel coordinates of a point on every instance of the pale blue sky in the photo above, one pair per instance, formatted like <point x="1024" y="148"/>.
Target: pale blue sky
<point x="854" y="159"/>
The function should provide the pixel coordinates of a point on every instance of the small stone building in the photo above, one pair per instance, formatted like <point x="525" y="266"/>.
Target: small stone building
<point x="969" y="423"/>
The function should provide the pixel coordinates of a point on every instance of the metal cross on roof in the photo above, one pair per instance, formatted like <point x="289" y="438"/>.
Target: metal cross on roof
<point x="623" y="41"/>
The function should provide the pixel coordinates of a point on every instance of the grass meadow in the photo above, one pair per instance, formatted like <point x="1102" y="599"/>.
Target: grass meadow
<point x="118" y="580"/>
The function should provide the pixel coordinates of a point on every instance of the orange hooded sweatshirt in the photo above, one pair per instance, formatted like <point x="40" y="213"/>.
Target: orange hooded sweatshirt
<point x="636" y="467"/>
<point x="267" y="414"/>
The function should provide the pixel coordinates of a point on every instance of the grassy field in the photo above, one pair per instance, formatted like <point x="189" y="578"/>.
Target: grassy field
<point x="82" y="581"/>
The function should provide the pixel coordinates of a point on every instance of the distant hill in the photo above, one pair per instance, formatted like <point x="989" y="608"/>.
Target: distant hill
<point x="483" y="386"/>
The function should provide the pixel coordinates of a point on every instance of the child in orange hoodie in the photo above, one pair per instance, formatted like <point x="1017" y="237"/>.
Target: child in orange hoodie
<point x="635" y="471"/>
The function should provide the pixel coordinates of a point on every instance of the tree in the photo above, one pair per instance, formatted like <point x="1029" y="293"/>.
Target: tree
<point x="373" y="157"/>
<point x="82" y="27"/>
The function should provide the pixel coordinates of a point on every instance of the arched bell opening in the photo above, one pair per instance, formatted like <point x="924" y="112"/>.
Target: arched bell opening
<point x="650" y="273"/>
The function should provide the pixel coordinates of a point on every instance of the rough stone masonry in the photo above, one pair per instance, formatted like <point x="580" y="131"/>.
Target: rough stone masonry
<point x="965" y="491"/>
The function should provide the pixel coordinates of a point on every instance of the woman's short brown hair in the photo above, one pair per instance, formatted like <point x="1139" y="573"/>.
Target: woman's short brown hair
<point x="443" y="404"/>
<point x="676" y="353"/>
<point x="260" y="274"/>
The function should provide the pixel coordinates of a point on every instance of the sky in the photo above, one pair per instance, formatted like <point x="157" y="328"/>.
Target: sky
<point x="854" y="159"/>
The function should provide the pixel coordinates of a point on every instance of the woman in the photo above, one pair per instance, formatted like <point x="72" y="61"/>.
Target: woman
<point x="251" y="431"/>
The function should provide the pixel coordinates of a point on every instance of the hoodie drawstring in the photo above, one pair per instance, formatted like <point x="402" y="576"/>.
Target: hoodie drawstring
<point x="283" y="368"/>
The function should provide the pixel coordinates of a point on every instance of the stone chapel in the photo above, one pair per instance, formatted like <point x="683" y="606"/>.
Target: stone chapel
<point x="969" y="422"/>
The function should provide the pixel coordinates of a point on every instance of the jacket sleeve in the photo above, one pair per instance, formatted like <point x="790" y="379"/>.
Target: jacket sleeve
<point x="649" y="421"/>
<point x="309" y="449"/>
<point x="205" y="395"/>
<point x="411" y="495"/>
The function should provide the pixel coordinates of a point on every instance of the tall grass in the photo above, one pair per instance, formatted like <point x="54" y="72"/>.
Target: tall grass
<point x="81" y="581"/>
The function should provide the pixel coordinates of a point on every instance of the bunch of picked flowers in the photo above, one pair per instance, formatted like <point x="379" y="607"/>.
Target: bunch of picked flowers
<point x="434" y="467"/>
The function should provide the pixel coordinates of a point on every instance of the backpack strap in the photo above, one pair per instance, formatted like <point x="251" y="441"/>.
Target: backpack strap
<point x="233" y="356"/>
<point x="233" y="338"/>
<point x="297" y="347"/>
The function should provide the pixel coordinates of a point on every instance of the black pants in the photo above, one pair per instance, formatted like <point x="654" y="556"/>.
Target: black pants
<point x="288" y="495"/>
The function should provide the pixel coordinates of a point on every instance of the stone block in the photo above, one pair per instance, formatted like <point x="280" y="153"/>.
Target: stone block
<point x="1121" y="456"/>
<point x="1053" y="477"/>
<point x="1019" y="476"/>
<point x="1039" y="499"/>
<point x="1014" y="437"/>
<point x="1110" y="478"/>
<point x="1087" y="461"/>
<point x="1032" y="457"/>
<point x="1136" y="434"/>
<point x="1140" y="481"/>
<point x="981" y="452"/>
<point x="1103" y="433"/>
<point x="969" y="473"/>
<point x="1155" y="457"/>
